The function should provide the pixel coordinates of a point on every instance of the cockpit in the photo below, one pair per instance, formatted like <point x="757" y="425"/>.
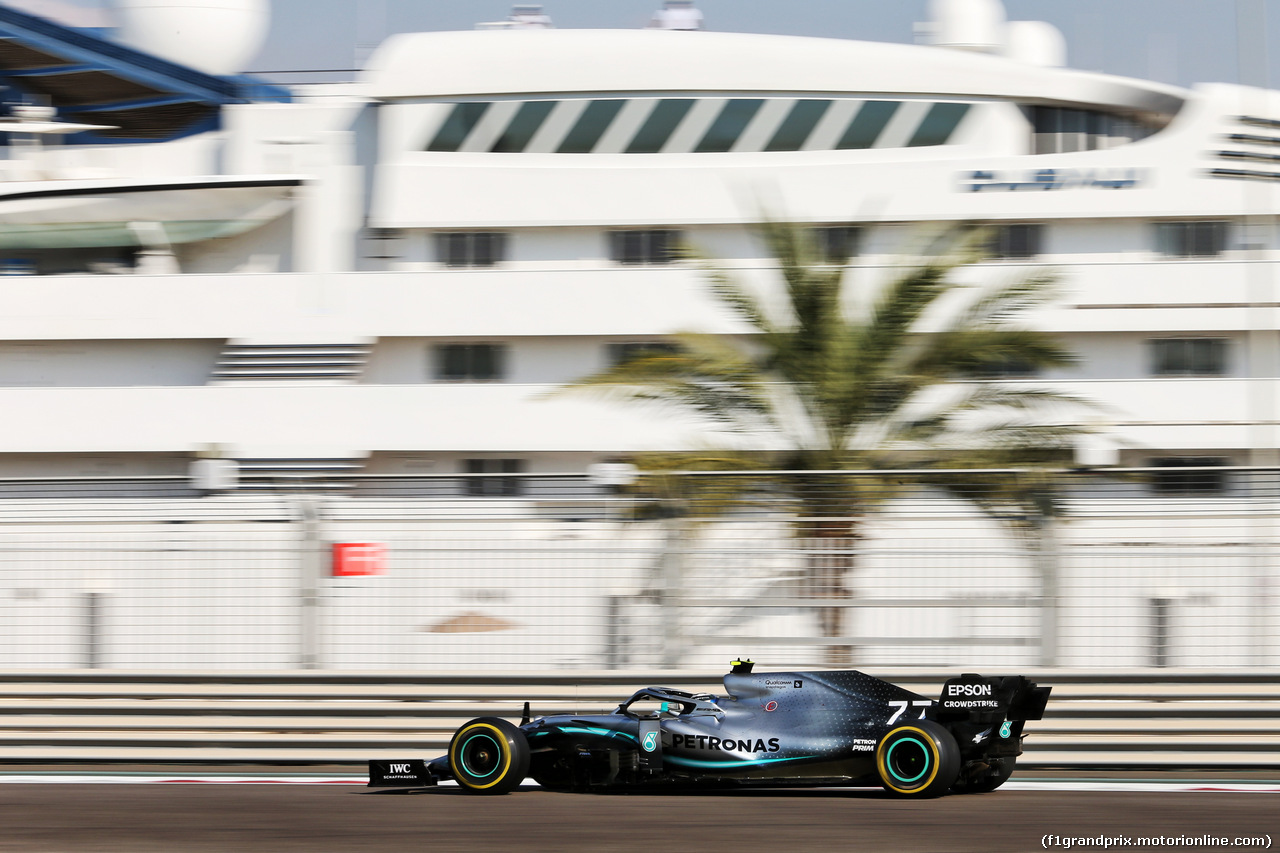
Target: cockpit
<point x="665" y="703"/>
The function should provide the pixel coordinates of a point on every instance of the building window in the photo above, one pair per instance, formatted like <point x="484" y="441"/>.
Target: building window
<point x="660" y="125"/>
<point x="1189" y="357"/>
<point x="938" y="124"/>
<point x="836" y="244"/>
<point x="734" y="117"/>
<point x="1056" y="130"/>
<point x="382" y="244"/>
<point x="621" y="353"/>
<point x="1177" y="479"/>
<point x="481" y="484"/>
<point x="1191" y="239"/>
<point x="470" y="362"/>
<point x="462" y="119"/>
<point x="651" y="246"/>
<point x="590" y="126"/>
<point x="1014" y="241"/>
<point x="1007" y="368"/>
<point x="471" y="248"/>
<point x="867" y="125"/>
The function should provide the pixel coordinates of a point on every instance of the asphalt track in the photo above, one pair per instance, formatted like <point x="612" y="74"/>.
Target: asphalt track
<point x="336" y="816"/>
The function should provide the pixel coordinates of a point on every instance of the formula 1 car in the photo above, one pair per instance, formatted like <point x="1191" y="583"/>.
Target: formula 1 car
<point x="771" y="729"/>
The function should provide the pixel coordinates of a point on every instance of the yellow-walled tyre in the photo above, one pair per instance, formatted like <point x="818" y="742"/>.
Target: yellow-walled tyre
<point x="489" y="756"/>
<point x="918" y="759"/>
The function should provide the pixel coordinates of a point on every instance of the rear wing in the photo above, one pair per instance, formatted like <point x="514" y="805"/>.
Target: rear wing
<point x="991" y="699"/>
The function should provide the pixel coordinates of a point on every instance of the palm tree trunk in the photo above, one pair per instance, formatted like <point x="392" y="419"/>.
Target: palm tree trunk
<point x="829" y="559"/>
<point x="670" y="589"/>
<point x="1047" y="559"/>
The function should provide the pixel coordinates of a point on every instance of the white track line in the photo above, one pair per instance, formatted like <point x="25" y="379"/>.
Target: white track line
<point x="1117" y="785"/>
<point x="177" y="779"/>
<point x="1123" y="785"/>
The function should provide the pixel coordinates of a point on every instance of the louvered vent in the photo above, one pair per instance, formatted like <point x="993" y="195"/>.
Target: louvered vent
<point x="297" y="475"/>
<point x="240" y="362"/>
<point x="1252" y="149"/>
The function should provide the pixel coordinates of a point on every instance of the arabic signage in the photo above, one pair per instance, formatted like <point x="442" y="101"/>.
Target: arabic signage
<point x="1042" y="180"/>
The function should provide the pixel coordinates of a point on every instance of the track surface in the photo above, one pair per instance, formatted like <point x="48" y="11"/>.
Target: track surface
<point x="244" y="818"/>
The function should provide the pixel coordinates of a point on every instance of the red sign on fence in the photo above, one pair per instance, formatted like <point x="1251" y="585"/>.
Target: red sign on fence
<point x="359" y="559"/>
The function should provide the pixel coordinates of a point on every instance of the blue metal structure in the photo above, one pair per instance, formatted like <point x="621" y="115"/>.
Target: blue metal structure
<point x="93" y="80"/>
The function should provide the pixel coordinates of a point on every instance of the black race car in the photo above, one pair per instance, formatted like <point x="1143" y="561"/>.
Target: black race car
<point x="774" y="729"/>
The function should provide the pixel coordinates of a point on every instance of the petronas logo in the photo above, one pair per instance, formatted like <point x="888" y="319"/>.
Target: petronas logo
<point x="650" y="742"/>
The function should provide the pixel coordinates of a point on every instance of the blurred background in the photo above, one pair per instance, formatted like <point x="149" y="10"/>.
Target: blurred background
<point x="283" y="353"/>
<point x="1169" y="41"/>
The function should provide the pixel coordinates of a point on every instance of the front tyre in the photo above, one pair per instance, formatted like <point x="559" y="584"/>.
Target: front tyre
<point x="489" y="756"/>
<point x="918" y="759"/>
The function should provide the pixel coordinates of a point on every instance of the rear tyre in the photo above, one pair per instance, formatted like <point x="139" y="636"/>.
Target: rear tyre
<point x="918" y="759"/>
<point x="489" y="756"/>
<point x="994" y="778"/>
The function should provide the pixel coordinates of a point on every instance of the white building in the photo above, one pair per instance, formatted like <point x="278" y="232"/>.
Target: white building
<point x="390" y="275"/>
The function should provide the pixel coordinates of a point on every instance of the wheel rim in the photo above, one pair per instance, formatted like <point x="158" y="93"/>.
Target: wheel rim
<point x="908" y="760"/>
<point x="481" y="756"/>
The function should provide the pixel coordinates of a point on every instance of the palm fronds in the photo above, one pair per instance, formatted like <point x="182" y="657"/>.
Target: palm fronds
<point x="845" y="387"/>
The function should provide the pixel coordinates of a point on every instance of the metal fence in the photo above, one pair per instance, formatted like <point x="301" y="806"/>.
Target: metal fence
<point x="1148" y="568"/>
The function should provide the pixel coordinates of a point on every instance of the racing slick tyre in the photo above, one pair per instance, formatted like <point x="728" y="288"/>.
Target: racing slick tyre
<point x="994" y="778"/>
<point x="489" y="756"/>
<point x="918" y="759"/>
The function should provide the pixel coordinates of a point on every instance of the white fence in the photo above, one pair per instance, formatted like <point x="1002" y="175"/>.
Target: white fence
<point x="569" y="576"/>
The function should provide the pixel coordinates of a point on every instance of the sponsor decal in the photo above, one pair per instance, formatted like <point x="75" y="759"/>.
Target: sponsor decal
<point x="396" y="771"/>
<point x="779" y="683"/>
<point x="772" y="706"/>
<point x="952" y="704"/>
<point x="971" y="703"/>
<point x="981" y="736"/>
<point x="969" y="690"/>
<point x="1006" y="729"/>
<point x="969" y="695"/>
<point x="799" y="683"/>
<point x="862" y="745"/>
<point x="650" y="742"/>
<point x="726" y="744"/>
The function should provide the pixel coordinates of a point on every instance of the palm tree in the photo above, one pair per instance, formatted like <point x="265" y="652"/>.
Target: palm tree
<point x="832" y="382"/>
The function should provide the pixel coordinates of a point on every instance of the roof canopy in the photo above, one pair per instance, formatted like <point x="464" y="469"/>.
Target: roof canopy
<point x="525" y="62"/>
<point x="95" y="81"/>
